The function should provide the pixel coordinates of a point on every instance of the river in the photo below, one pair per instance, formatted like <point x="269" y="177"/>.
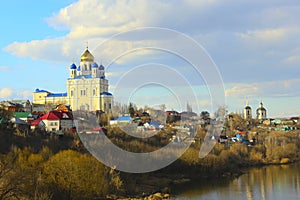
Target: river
<point x="268" y="182"/>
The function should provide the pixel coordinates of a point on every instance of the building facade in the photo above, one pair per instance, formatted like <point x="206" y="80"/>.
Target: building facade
<point x="261" y="112"/>
<point x="87" y="88"/>
<point x="247" y="111"/>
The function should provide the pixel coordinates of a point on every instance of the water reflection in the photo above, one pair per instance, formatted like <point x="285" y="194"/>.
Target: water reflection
<point x="270" y="182"/>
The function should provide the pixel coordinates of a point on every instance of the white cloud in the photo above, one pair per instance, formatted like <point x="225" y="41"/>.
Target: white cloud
<point x="234" y="33"/>
<point x="283" y="88"/>
<point x="265" y="35"/>
<point x="87" y="19"/>
<point x="243" y="90"/>
<point x="6" y="92"/>
<point x="25" y="94"/>
<point x="102" y="18"/>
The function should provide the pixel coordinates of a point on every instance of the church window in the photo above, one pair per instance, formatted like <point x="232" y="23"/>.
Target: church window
<point x="72" y="93"/>
<point x="104" y="106"/>
<point x="94" y="92"/>
<point x="110" y="106"/>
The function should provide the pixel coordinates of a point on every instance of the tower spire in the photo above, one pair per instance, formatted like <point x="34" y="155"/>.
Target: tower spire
<point x="87" y="45"/>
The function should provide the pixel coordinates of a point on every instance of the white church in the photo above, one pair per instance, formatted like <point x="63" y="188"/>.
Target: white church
<point x="261" y="112"/>
<point x="87" y="87"/>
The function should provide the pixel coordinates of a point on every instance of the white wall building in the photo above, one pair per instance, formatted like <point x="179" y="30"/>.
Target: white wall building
<point x="261" y="112"/>
<point x="87" y="87"/>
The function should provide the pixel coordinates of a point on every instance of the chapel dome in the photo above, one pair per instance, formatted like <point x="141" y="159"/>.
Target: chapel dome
<point x="101" y="67"/>
<point x="94" y="65"/>
<point x="261" y="107"/>
<point x="248" y="108"/>
<point x="87" y="56"/>
<point x="73" y="66"/>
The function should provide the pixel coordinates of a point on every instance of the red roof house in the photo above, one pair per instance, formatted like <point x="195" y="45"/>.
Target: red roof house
<point x="58" y="120"/>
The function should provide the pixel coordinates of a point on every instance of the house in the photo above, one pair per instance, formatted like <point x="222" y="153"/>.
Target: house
<point x="38" y="109"/>
<point x="37" y="123"/>
<point x="121" y="120"/>
<point x="58" y="121"/>
<point x="16" y="105"/>
<point x="2" y="121"/>
<point x="23" y="105"/>
<point x="63" y="108"/>
<point x="173" y="112"/>
<point x="172" y="116"/>
<point x="7" y="105"/>
<point x="22" y="115"/>
<point x="20" y="125"/>
<point x="153" y="125"/>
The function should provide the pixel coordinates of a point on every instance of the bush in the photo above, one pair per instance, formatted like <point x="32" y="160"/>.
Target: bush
<point x="72" y="175"/>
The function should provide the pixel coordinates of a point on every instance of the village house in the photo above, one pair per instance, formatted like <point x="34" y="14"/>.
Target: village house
<point x="57" y="121"/>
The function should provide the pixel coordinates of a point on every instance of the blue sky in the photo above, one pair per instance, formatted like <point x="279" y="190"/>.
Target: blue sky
<point x="254" y="44"/>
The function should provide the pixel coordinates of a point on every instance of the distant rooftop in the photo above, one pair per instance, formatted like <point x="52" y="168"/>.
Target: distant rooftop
<point x="57" y="94"/>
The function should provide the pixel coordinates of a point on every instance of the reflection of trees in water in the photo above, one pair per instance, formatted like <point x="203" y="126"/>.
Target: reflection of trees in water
<point x="273" y="180"/>
<point x="269" y="182"/>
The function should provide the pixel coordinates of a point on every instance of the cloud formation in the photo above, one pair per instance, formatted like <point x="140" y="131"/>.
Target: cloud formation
<point x="285" y="88"/>
<point x="10" y="93"/>
<point x="94" y="18"/>
<point x="260" y="37"/>
<point x="6" y="93"/>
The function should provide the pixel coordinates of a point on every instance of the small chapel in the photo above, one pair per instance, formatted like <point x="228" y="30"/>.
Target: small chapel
<point x="261" y="112"/>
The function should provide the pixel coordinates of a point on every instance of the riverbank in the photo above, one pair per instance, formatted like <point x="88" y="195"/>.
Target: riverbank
<point x="266" y="182"/>
<point x="177" y="184"/>
<point x="224" y="162"/>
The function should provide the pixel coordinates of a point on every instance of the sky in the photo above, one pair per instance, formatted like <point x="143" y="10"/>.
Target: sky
<point x="255" y="46"/>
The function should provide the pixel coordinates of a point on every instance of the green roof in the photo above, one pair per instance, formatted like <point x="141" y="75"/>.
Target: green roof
<point x="21" y="114"/>
<point x="2" y="121"/>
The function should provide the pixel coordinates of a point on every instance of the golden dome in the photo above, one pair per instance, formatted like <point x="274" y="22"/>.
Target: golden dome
<point x="87" y="56"/>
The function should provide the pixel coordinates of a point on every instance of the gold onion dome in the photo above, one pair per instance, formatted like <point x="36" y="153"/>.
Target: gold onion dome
<point x="87" y="56"/>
